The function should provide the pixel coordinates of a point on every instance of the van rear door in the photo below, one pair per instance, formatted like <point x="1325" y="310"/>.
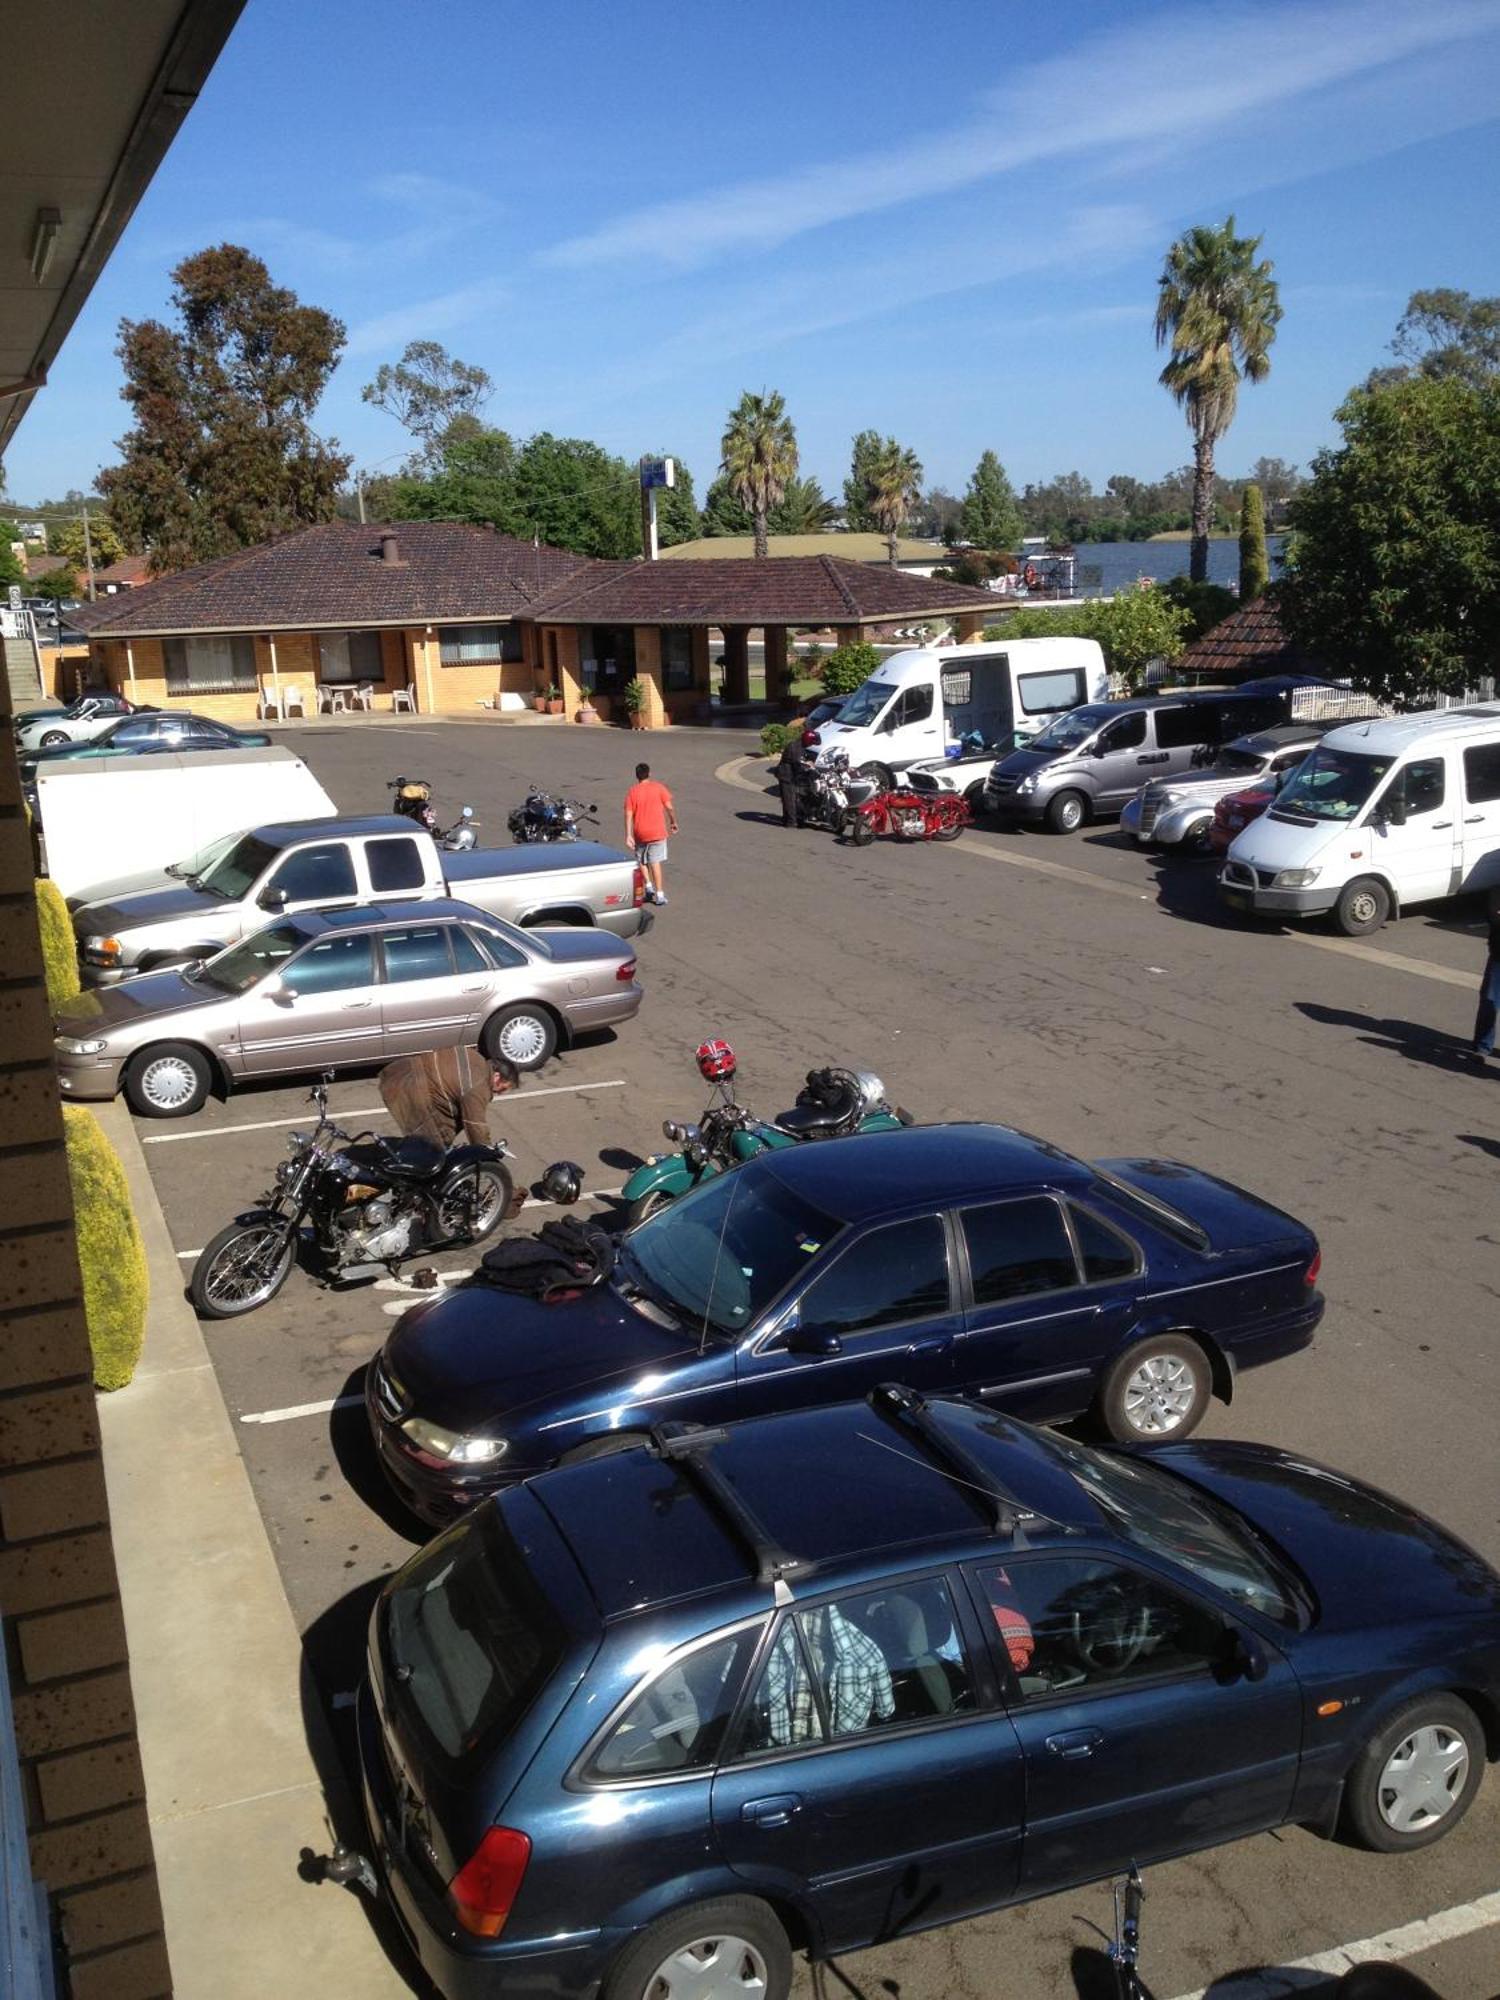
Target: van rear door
<point x="1480" y="816"/>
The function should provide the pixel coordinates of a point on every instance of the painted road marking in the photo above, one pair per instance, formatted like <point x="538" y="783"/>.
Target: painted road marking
<point x="522" y="1096"/>
<point x="1426" y="1934"/>
<point x="731" y="773"/>
<point x="302" y="1410"/>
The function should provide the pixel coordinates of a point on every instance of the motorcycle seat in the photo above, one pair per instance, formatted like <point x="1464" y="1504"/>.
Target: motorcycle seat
<point x="811" y="1121"/>
<point x="400" y="1159"/>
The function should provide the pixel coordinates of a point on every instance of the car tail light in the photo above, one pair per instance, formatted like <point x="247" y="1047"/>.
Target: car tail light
<point x="638" y="887"/>
<point x="483" y="1890"/>
<point x="625" y="971"/>
<point x="1314" y="1270"/>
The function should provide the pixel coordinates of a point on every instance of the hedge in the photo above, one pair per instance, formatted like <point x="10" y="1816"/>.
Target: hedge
<point x="776" y="735"/>
<point x="59" y="950"/>
<point x="111" y="1254"/>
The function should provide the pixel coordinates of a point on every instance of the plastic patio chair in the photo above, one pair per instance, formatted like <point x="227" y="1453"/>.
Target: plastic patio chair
<point x="364" y="696"/>
<point x="293" y="700"/>
<point x="404" y="699"/>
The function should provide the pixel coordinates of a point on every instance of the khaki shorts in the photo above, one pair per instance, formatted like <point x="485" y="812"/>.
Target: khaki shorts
<point x="647" y="851"/>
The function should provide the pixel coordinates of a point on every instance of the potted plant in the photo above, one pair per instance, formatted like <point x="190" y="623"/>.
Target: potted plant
<point x="554" y="699"/>
<point x="634" y="698"/>
<point x="586" y="711"/>
<point x="539" y="701"/>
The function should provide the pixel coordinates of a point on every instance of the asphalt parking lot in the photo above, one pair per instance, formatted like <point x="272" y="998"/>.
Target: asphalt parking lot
<point x="1075" y="987"/>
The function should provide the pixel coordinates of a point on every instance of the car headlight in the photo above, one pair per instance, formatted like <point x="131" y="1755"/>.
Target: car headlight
<point x="71" y="1046"/>
<point x="1296" y="878"/>
<point x="452" y="1445"/>
<point x="103" y="947"/>
<point x="1027" y="784"/>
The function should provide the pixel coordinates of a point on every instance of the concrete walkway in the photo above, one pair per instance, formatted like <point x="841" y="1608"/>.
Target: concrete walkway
<point x="233" y="1792"/>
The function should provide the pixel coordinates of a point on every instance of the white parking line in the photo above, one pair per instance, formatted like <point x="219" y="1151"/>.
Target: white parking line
<point x="523" y="1096"/>
<point x="1405" y="1942"/>
<point x="301" y="1410"/>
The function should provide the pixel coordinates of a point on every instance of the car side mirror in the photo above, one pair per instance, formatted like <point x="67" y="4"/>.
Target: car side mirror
<point x="813" y="1340"/>
<point x="1247" y="1655"/>
<point x="276" y="988"/>
<point x="1393" y="812"/>
<point x="272" y="899"/>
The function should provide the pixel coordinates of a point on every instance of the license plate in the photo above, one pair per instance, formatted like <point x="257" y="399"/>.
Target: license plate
<point x="1237" y="899"/>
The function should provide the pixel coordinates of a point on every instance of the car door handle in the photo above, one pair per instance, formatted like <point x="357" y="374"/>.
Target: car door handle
<point x="777" y="1810"/>
<point x="1475" y="819"/>
<point x="940" y="1344"/>
<point x="479" y="986"/>
<point x="1439" y="824"/>
<point x="1073" y="1743"/>
<point x="353" y="1006"/>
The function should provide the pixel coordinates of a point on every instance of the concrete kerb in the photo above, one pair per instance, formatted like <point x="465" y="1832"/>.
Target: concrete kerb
<point x="233" y="1791"/>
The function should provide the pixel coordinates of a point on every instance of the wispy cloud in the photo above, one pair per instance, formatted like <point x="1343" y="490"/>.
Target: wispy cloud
<point x="1161" y="83"/>
<point x="423" y="319"/>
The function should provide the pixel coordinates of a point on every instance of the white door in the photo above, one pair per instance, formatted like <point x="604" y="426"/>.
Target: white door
<point x="1421" y="855"/>
<point x="1480" y="816"/>
<point x="912" y="729"/>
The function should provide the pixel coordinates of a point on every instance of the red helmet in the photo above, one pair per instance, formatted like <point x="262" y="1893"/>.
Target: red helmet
<point x="715" y="1061"/>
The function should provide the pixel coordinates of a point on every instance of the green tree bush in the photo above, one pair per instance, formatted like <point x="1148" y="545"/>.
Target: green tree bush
<point x="776" y="735"/>
<point x="59" y="948"/>
<point x="846" y="667"/>
<point x="1206" y="604"/>
<point x="991" y="514"/>
<point x="1255" y="567"/>
<point x="111" y="1255"/>
<point x="1133" y="629"/>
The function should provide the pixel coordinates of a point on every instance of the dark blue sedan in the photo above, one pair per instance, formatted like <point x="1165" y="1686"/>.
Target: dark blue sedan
<point x="637" y="1728"/>
<point x="950" y="1257"/>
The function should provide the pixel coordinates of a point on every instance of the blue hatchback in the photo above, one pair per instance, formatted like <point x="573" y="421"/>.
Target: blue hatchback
<point x="951" y="1257"/>
<point x="645" y="1726"/>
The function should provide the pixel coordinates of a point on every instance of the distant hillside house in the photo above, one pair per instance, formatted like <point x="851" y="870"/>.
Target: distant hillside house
<point x="915" y="557"/>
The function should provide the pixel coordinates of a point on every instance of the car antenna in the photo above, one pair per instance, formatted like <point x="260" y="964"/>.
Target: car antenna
<point x="714" y="1274"/>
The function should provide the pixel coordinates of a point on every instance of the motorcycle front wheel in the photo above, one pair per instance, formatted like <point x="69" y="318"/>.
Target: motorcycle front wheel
<point x="652" y="1202"/>
<point x="861" y="830"/>
<point x="243" y="1268"/>
<point x="474" y="1201"/>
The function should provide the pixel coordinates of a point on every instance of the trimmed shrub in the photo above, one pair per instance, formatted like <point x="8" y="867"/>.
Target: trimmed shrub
<point x="111" y="1254"/>
<point x="1255" y="568"/>
<point x="59" y="950"/>
<point x="846" y="667"/>
<point x="775" y="737"/>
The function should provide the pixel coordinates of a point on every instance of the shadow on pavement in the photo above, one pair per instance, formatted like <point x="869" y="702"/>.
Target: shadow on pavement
<point x="354" y="1450"/>
<point x="1412" y="1039"/>
<point x="1490" y="1146"/>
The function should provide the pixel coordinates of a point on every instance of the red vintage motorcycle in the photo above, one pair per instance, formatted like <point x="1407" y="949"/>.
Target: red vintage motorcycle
<point x="908" y="816"/>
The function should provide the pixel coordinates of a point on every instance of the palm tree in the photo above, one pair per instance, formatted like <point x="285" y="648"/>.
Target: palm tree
<point x="895" y="486"/>
<point x="759" y="457"/>
<point x="1218" y="308"/>
<point x="805" y="509"/>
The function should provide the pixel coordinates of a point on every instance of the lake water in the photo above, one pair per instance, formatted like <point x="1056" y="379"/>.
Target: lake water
<point x="1120" y="563"/>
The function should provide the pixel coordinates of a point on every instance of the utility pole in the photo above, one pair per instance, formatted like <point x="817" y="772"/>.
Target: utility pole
<point x="654" y="472"/>
<point x="359" y="488"/>
<point x="88" y="555"/>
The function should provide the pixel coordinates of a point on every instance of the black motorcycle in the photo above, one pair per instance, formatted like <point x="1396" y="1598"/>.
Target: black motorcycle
<point x="543" y="817"/>
<point x="828" y="793"/>
<point x="372" y="1203"/>
<point x="413" y="801"/>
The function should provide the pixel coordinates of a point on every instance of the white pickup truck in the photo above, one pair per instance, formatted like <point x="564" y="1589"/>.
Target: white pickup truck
<point x="245" y="880"/>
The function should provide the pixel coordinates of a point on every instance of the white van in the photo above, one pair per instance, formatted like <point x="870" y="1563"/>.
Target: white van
<point x="1380" y="815"/>
<point x="127" y="817"/>
<point x="919" y="701"/>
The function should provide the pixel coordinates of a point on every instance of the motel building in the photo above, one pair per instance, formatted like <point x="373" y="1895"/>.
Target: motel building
<point x="446" y="618"/>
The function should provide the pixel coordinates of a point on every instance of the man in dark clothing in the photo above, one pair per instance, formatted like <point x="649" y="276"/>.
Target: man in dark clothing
<point x="791" y="776"/>
<point x="1489" y="985"/>
<point x="444" y="1092"/>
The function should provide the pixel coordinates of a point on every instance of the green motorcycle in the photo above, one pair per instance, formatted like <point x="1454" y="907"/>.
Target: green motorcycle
<point x="832" y="1104"/>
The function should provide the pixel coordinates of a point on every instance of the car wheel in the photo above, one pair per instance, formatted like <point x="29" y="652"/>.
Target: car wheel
<point x="1416" y="1777"/>
<point x="474" y="1201"/>
<point x="881" y="775"/>
<point x="1362" y="907"/>
<point x="729" y="1949"/>
<point x="1158" y="1389"/>
<point x="652" y="1202"/>
<point x="1067" y="812"/>
<point x="170" y="1080"/>
<point x="51" y="737"/>
<point x="974" y="798"/>
<point x="243" y="1268"/>
<point x="525" y="1034"/>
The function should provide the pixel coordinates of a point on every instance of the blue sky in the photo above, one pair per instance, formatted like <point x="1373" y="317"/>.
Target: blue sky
<point x="943" y="223"/>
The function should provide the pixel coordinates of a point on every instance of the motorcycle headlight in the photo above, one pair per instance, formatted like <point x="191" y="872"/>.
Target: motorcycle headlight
<point x="71" y="1046"/>
<point x="453" y="1446"/>
<point x="1296" y="878"/>
<point x="681" y="1135"/>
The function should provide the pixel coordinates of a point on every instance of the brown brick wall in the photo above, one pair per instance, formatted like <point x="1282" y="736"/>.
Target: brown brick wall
<point x="65" y="1650"/>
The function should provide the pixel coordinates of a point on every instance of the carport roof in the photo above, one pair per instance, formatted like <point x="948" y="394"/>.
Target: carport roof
<point x="1250" y="642"/>
<point x="778" y="590"/>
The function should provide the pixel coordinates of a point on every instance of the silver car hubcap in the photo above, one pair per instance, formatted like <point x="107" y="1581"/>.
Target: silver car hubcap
<point x="1070" y="815"/>
<point x="721" y="1968"/>
<point x="1424" y="1776"/>
<point x="168" y="1083"/>
<point x="524" y="1040"/>
<point x="1159" y="1394"/>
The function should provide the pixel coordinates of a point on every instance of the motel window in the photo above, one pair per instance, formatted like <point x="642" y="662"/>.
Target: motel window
<point x="677" y="659"/>
<point x="218" y="665"/>
<point x="478" y="645"/>
<point x="350" y="656"/>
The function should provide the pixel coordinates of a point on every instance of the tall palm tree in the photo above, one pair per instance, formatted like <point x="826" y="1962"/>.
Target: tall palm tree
<point x="1218" y="309"/>
<point x="805" y="509"/>
<point x="895" y="486"/>
<point x="759" y="457"/>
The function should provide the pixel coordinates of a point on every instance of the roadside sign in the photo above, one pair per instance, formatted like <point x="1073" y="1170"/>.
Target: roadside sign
<point x="658" y="472"/>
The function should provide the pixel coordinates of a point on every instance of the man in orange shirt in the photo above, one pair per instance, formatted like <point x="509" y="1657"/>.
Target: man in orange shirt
<point x="649" y="817"/>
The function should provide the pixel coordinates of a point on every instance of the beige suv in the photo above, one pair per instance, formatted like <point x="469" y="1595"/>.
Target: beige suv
<point x="329" y="989"/>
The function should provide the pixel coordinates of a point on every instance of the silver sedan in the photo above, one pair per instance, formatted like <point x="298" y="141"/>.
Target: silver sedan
<point x="337" y="989"/>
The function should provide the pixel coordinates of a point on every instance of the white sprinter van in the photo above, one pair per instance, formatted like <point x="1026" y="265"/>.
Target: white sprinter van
<point x="1380" y="815"/>
<point x="918" y="702"/>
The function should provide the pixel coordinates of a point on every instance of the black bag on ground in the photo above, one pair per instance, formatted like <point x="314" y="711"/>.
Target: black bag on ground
<point x="566" y="1255"/>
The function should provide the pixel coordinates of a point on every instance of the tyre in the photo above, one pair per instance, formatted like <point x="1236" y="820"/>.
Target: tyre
<point x="474" y="1201"/>
<point x="861" y="831"/>
<point x="882" y="774"/>
<point x="1067" y="812"/>
<point x="974" y="799"/>
<point x="949" y="832"/>
<point x="243" y="1268"/>
<point x="171" y="1080"/>
<point x="1158" y="1389"/>
<point x="51" y="738"/>
<point x="726" y="1949"/>
<point x="525" y="1033"/>
<point x="1416" y="1777"/>
<point x="1362" y="907"/>
<point x="652" y="1202"/>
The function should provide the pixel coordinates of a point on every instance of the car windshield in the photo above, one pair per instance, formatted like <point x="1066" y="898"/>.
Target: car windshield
<point x="722" y="1255"/>
<point x="1232" y="763"/>
<point x="1165" y="1516"/>
<point x="866" y="702"/>
<point x="1331" y="784"/>
<point x="1071" y="729"/>
<point x="199" y="864"/>
<point x="244" y="964"/>
<point x="233" y="874"/>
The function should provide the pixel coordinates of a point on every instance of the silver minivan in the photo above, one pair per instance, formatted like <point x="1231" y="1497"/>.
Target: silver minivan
<point x="1087" y="763"/>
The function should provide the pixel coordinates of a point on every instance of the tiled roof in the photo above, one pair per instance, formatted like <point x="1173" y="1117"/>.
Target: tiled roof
<point x="333" y="576"/>
<point x="857" y="547"/>
<point x="786" y="590"/>
<point x="131" y="570"/>
<point x="1248" y="643"/>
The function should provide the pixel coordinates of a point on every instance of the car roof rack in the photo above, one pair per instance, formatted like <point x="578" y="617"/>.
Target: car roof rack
<point x="911" y="1413"/>
<point x="689" y="1447"/>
